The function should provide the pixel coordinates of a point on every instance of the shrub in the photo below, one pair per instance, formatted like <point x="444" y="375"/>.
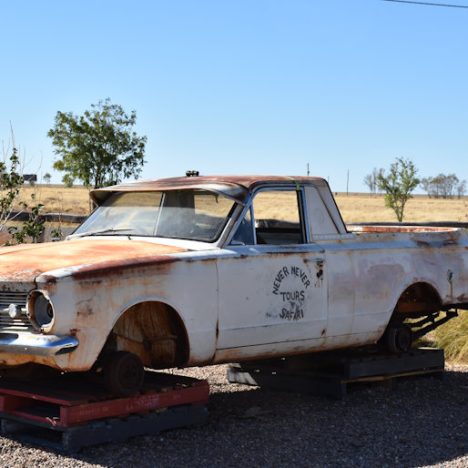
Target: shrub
<point x="453" y="338"/>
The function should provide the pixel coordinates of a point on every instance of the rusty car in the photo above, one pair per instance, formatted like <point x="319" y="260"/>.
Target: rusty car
<point x="199" y="270"/>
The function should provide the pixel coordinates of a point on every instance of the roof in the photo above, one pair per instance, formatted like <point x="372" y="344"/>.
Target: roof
<point x="236" y="187"/>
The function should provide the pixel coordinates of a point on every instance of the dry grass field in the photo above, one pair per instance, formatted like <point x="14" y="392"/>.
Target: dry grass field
<point x="354" y="207"/>
<point x="59" y="199"/>
<point x="371" y="208"/>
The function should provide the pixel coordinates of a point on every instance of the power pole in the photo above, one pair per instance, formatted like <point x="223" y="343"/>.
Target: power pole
<point x="347" y="183"/>
<point x="308" y="171"/>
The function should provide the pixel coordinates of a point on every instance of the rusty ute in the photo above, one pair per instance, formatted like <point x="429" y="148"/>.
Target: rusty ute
<point x="200" y="270"/>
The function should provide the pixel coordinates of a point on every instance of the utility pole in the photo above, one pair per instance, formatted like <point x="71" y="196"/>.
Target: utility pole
<point x="347" y="183"/>
<point x="308" y="171"/>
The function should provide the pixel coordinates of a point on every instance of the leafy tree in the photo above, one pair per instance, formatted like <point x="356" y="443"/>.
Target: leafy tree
<point x="398" y="185"/>
<point x="47" y="178"/>
<point x="99" y="147"/>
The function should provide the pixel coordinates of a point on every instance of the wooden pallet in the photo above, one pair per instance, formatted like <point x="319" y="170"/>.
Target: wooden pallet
<point x="331" y="374"/>
<point x="67" y="414"/>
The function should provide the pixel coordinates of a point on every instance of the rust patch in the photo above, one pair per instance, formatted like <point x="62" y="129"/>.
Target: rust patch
<point x="117" y="268"/>
<point x="49" y="279"/>
<point x="418" y="298"/>
<point x="26" y="264"/>
<point x="410" y="229"/>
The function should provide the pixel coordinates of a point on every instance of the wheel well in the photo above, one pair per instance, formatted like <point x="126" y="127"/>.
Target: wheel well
<point x="417" y="300"/>
<point x="153" y="331"/>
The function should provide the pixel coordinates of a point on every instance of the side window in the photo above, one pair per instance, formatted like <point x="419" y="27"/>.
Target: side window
<point x="278" y="219"/>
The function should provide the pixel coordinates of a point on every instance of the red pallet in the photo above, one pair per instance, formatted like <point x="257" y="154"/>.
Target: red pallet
<point x="68" y="402"/>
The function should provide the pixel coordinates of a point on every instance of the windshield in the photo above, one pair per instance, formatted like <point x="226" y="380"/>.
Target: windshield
<point x="177" y="214"/>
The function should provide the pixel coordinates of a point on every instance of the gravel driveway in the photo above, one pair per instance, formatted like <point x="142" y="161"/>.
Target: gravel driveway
<point x="418" y="422"/>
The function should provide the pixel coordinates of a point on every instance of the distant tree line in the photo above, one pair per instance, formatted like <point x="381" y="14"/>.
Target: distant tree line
<point x="444" y="186"/>
<point x="441" y="186"/>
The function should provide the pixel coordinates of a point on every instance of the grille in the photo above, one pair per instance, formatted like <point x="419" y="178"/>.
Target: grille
<point x="18" y="298"/>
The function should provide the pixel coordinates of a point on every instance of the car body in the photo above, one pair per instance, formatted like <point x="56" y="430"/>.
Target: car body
<point x="200" y="270"/>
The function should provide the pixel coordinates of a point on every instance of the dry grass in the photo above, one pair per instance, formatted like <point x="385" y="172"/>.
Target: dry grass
<point x="59" y="199"/>
<point x="371" y="208"/>
<point x="453" y="338"/>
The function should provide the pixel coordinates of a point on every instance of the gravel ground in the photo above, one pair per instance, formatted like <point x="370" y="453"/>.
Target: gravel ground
<point x="418" y="422"/>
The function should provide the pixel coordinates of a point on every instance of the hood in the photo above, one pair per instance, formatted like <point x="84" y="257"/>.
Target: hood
<point x="24" y="263"/>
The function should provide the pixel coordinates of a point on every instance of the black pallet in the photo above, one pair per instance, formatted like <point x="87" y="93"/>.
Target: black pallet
<point x="330" y="374"/>
<point x="72" y="439"/>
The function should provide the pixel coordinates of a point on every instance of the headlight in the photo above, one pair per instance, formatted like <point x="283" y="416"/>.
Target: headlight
<point x="40" y="311"/>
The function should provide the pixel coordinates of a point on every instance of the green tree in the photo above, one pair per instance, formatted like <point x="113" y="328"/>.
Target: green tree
<point x="398" y="185"/>
<point x="99" y="147"/>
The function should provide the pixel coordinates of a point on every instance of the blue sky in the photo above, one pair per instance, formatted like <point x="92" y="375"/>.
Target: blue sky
<point x="246" y="86"/>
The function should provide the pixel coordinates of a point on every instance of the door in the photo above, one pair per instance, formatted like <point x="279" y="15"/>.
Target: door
<point x="272" y="293"/>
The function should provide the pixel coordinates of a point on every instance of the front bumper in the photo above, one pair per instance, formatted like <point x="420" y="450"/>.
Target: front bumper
<point x="36" y="344"/>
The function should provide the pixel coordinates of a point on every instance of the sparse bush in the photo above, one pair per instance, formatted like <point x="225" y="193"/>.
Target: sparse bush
<point x="31" y="229"/>
<point x="11" y="182"/>
<point x="398" y="185"/>
<point x="56" y="233"/>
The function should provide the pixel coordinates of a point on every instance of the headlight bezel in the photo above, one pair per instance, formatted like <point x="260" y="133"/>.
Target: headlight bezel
<point x="40" y="311"/>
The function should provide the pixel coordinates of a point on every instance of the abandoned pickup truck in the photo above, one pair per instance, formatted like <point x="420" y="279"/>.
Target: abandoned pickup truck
<point x="201" y="270"/>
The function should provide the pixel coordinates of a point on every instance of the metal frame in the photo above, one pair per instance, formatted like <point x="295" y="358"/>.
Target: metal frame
<point x="301" y="205"/>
